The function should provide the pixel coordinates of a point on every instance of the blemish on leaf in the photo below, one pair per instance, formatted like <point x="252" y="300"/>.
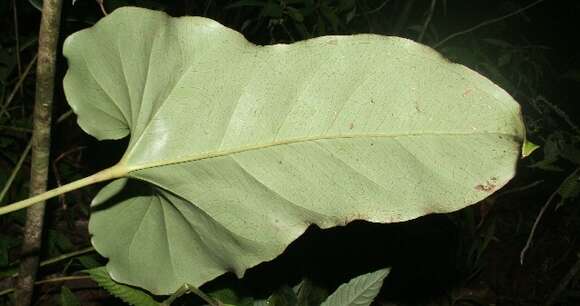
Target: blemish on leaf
<point x="396" y="218"/>
<point x="467" y="92"/>
<point x="351" y="126"/>
<point x="418" y="107"/>
<point x="488" y="186"/>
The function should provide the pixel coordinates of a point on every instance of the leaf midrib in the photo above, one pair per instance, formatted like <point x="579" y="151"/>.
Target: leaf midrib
<point x="215" y="154"/>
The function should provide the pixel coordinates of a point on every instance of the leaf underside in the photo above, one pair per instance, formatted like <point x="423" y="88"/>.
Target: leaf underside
<point x="235" y="149"/>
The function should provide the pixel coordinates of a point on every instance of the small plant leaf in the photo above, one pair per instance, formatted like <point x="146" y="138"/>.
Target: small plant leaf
<point x="359" y="291"/>
<point x="129" y="295"/>
<point x="284" y="296"/>
<point x="569" y="189"/>
<point x="230" y="297"/>
<point x="88" y="261"/>
<point x="309" y="294"/>
<point x="68" y="298"/>
<point x="529" y="148"/>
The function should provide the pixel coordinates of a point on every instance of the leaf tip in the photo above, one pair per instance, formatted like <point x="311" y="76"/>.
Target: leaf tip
<point x="528" y="148"/>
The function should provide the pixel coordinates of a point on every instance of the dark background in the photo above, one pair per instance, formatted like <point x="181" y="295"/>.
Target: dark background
<point x="470" y="257"/>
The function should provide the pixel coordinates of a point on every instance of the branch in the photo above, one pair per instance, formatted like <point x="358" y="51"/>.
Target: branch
<point x="487" y="22"/>
<point x="42" y="117"/>
<point x="540" y="214"/>
<point x="427" y="21"/>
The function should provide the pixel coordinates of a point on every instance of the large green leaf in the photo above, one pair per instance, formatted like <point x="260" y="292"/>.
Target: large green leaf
<point x="236" y="149"/>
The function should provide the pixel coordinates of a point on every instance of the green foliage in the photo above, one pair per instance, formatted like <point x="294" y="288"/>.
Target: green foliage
<point x="6" y="243"/>
<point x="360" y="291"/>
<point x="561" y="147"/>
<point x="229" y="296"/>
<point x="267" y="148"/>
<point x="129" y="295"/>
<point x="287" y="20"/>
<point x="308" y="294"/>
<point x="57" y="243"/>
<point x="284" y="296"/>
<point x="89" y="261"/>
<point x="68" y="298"/>
<point x="569" y="189"/>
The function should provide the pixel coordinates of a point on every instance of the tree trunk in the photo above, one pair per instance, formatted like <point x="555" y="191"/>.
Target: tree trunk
<point x="45" y="73"/>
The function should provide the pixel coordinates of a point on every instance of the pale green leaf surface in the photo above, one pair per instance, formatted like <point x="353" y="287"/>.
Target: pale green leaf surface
<point x="359" y="291"/>
<point x="236" y="149"/>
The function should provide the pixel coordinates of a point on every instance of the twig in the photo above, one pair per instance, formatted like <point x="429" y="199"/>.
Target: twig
<point x="15" y="171"/>
<point x="64" y="116"/>
<point x="206" y="9"/>
<point x="187" y="288"/>
<point x="15" y="129"/>
<point x="42" y="117"/>
<point x="403" y="16"/>
<point x="17" y="37"/>
<point x="61" y="257"/>
<point x="25" y="153"/>
<point x="204" y="296"/>
<point x="57" y="172"/>
<point x="428" y="20"/>
<point x="66" y="256"/>
<point x="100" y="2"/>
<point x="17" y="86"/>
<point x="485" y="23"/>
<point x="376" y="9"/>
<point x="564" y="282"/>
<point x="49" y="281"/>
<point x="519" y="189"/>
<point x="558" y="112"/>
<point x="181" y="291"/>
<point x="532" y="232"/>
<point x="540" y="214"/>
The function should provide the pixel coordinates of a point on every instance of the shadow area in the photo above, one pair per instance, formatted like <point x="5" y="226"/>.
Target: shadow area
<point x="422" y="255"/>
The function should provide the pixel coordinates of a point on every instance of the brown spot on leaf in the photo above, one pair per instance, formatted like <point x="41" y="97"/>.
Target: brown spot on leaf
<point x="488" y="186"/>
<point x="467" y="92"/>
<point x="418" y="107"/>
<point x="351" y="126"/>
<point x="397" y="218"/>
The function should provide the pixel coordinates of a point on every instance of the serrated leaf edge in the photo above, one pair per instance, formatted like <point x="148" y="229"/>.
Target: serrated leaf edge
<point x="359" y="291"/>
